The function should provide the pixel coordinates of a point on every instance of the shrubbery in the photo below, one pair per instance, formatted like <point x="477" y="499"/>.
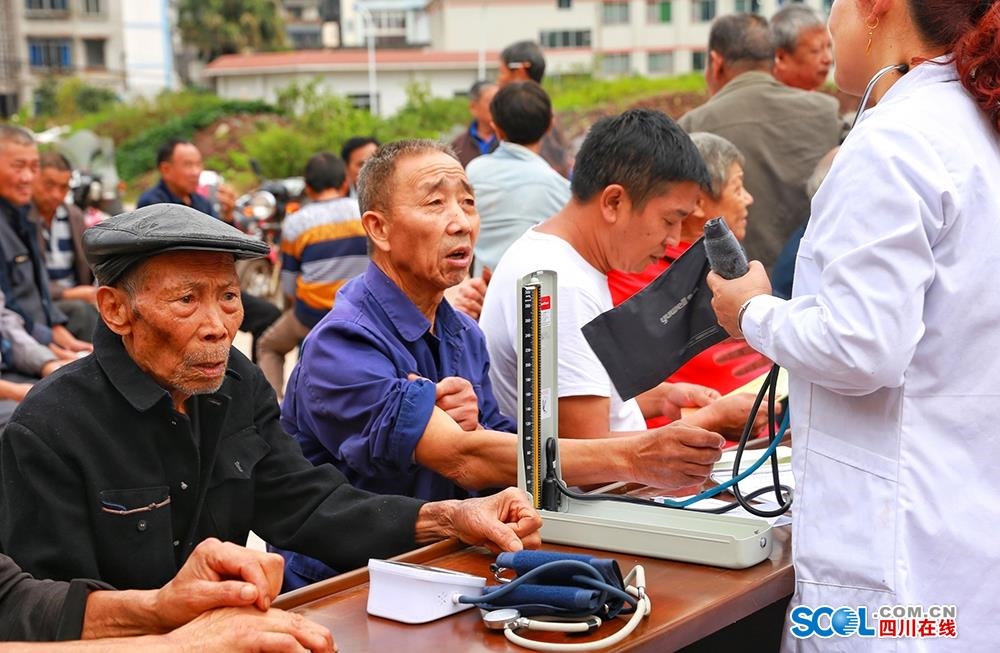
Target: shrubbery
<point x="302" y="121"/>
<point x="138" y="154"/>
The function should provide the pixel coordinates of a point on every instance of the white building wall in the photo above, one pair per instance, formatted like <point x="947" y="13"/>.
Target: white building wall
<point x="149" y="55"/>
<point x="392" y="84"/>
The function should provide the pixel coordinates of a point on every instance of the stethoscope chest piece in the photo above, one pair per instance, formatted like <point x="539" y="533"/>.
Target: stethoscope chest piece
<point x="502" y="618"/>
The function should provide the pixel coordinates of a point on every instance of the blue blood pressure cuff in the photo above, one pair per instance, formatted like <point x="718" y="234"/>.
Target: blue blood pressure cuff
<point x="556" y="584"/>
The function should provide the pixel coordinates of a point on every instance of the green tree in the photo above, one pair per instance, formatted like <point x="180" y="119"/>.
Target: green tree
<point x="217" y="27"/>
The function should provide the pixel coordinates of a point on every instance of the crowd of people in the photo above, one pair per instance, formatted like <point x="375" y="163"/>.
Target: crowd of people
<point x="121" y="520"/>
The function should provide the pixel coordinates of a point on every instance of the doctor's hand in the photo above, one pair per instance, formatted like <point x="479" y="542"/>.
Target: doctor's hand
<point x="729" y="294"/>
<point x="505" y="521"/>
<point x="729" y="415"/>
<point x="674" y="456"/>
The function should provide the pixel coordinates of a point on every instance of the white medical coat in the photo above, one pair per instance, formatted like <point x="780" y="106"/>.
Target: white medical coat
<point x="892" y="344"/>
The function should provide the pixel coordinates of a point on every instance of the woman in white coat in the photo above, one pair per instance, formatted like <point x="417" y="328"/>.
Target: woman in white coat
<point x="892" y="337"/>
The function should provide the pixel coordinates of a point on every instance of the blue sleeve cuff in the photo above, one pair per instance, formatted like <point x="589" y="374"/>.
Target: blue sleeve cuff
<point x="415" y="410"/>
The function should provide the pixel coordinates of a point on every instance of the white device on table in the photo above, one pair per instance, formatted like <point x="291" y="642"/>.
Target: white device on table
<point x="649" y="530"/>
<point x="416" y="594"/>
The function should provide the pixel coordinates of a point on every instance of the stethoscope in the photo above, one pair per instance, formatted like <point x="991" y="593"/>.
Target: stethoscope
<point x="902" y="68"/>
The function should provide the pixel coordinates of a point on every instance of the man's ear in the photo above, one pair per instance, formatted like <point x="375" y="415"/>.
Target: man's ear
<point x="115" y="309"/>
<point x="377" y="227"/>
<point x="612" y="200"/>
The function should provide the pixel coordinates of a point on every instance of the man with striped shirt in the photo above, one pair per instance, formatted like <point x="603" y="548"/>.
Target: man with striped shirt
<point x="323" y="245"/>
<point x="60" y="233"/>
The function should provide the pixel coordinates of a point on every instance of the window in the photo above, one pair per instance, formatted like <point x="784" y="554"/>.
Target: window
<point x="45" y="5"/>
<point x="389" y="20"/>
<point x="661" y="63"/>
<point x="94" y="53"/>
<point x="565" y="39"/>
<point x="703" y="11"/>
<point x="361" y="100"/>
<point x="698" y="60"/>
<point x="564" y="4"/>
<point x="614" y="13"/>
<point x="93" y="6"/>
<point x="658" y="11"/>
<point x="616" y="64"/>
<point x="55" y="54"/>
<point x="747" y="7"/>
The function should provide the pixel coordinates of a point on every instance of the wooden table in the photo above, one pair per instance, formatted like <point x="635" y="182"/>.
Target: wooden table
<point x="689" y="602"/>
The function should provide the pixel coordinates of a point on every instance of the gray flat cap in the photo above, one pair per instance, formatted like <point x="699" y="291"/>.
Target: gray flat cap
<point x="118" y="243"/>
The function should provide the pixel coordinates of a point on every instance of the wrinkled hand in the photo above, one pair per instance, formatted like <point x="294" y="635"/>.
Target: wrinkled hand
<point x="245" y="630"/>
<point x="729" y="415"/>
<point x="63" y="338"/>
<point x="505" y="521"/>
<point x="219" y="574"/>
<point x="676" y="455"/>
<point x="456" y="396"/>
<point x="729" y="294"/>
<point x="685" y="395"/>
<point x="468" y="295"/>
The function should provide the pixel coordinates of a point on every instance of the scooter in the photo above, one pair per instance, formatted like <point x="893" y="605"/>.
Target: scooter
<point x="260" y="213"/>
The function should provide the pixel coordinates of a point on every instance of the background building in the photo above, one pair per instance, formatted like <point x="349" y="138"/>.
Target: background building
<point x="123" y="45"/>
<point x="131" y="47"/>
<point x="448" y="44"/>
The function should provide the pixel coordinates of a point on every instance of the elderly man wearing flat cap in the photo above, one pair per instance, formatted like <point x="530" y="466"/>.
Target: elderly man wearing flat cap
<point x="180" y="440"/>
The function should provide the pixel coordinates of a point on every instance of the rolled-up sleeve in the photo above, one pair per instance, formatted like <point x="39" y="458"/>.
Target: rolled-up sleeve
<point x="351" y="397"/>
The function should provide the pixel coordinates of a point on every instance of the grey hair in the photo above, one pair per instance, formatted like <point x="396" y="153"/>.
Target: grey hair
<point x="16" y="135"/>
<point x="789" y="22"/>
<point x="478" y="88"/>
<point x="375" y="181"/>
<point x="719" y="155"/>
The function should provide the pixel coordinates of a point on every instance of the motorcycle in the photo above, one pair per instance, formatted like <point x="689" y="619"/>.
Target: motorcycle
<point x="260" y="214"/>
<point x="95" y="185"/>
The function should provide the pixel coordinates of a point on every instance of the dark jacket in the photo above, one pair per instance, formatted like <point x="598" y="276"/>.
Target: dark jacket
<point x="121" y="488"/>
<point x="23" y="278"/>
<point x="468" y="145"/>
<point x="160" y="194"/>
<point x="77" y="224"/>
<point x="40" y="610"/>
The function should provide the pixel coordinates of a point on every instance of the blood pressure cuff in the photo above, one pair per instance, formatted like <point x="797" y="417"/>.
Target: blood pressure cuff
<point x="559" y="584"/>
<point x="654" y="332"/>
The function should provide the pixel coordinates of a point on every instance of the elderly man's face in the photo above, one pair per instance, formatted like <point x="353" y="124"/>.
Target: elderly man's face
<point x="432" y="223"/>
<point x="641" y="235"/>
<point x="183" y="320"/>
<point x="18" y="169"/>
<point x="182" y="171"/>
<point x="51" y="188"/>
<point x="808" y="66"/>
